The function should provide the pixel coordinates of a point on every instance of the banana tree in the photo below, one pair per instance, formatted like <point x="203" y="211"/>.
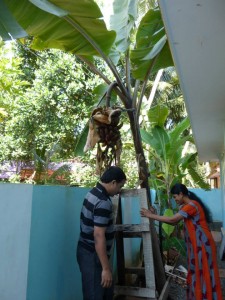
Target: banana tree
<point x="168" y="165"/>
<point x="80" y="27"/>
<point x="168" y="162"/>
<point x="133" y="47"/>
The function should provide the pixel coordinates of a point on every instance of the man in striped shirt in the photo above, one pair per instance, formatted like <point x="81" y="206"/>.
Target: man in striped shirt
<point x="96" y="236"/>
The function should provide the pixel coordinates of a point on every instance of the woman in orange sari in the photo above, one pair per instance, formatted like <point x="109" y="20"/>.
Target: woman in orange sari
<point x="203" y="280"/>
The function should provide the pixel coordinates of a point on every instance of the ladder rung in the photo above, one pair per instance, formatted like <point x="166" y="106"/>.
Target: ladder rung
<point x="135" y="291"/>
<point x="143" y="231"/>
<point x="132" y="234"/>
<point x="135" y="270"/>
<point x="132" y="227"/>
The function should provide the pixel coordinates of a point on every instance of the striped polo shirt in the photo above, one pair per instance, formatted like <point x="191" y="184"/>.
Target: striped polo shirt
<point x="96" y="211"/>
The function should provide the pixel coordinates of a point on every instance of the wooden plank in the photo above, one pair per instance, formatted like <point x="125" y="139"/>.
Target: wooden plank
<point x="132" y="227"/>
<point x="216" y="236"/>
<point x="222" y="245"/>
<point x="132" y="192"/>
<point x="115" y="203"/>
<point x="147" y="247"/>
<point x="165" y="291"/>
<point x="222" y="273"/>
<point x="148" y="261"/>
<point x="135" y="291"/>
<point x="131" y="235"/>
<point x="120" y="249"/>
<point x="131" y="230"/>
<point x="135" y="270"/>
<point x="158" y="265"/>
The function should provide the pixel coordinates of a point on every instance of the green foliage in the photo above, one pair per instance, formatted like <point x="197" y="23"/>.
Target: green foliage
<point x="30" y="59"/>
<point x="121" y="20"/>
<point x="168" y="163"/>
<point x="60" y="22"/>
<point x="174" y="242"/>
<point x="56" y="106"/>
<point x="13" y="28"/>
<point x="11" y="85"/>
<point x="131" y="47"/>
<point x="151" y="43"/>
<point x="158" y="115"/>
<point x="168" y="229"/>
<point x="51" y="112"/>
<point x="84" y="176"/>
<point x="79" y="28"/>
<point x="14" y="178"/>
<point x="169" y="94"/>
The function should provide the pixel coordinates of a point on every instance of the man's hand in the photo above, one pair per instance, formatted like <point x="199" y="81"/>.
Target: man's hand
<point x="106" y="278"/>
<point x="100" y="247"/>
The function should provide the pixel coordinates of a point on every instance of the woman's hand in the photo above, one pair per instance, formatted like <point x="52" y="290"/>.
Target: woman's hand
<point x="147" y="213"/>
<point x="151" y="214"/>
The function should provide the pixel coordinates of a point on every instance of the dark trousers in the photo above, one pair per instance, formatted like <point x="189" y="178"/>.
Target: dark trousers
<point x="91" y="272"/>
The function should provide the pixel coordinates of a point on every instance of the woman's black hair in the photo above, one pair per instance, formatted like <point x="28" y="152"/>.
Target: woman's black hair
<point x="181" y="188"/>
<point x="113" y="173"/>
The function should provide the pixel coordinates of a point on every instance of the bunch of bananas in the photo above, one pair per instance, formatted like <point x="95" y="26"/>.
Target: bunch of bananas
<point x="109" y="134"/>
<point x="104" y="129"/>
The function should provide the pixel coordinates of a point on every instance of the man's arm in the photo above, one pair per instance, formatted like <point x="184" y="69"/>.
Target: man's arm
<point x="100" y="247"/>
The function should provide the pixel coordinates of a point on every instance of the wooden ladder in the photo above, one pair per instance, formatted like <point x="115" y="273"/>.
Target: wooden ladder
<point x="142" y="230"/>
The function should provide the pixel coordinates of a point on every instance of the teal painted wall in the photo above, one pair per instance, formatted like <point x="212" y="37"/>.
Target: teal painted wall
<point x="213" y="199"/>
<point x="39" y="228"/>
<point x="222" y="181"/>
<point x="53" y="271"/>
<point x="131" y="215"/>
<point x="15" y="220"/>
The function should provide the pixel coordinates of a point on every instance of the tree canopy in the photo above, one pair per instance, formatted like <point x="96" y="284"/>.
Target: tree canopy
<point x="50" y="109"/>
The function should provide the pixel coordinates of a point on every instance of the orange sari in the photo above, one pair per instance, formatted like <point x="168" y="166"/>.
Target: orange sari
<point x="203" y="276"/>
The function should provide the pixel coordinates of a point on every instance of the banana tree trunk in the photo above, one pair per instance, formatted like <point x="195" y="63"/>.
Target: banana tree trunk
<point x="143" y="177"/>
<point x="141" y="161"/>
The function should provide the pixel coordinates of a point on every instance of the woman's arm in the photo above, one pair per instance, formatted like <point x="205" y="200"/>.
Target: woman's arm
<point x="169" y="220"/>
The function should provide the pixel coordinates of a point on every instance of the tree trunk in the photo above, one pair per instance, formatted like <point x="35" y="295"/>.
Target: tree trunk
<point x="143" y="177"/>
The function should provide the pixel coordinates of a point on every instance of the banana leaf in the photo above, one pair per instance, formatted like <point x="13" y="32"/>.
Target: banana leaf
<point x="79" y="148"/>
<point x="198" y="178"/>
<point x="9" y="27"/>
<point x="71" y="25"/>
<point x="177" y="145"/>
<point x="121" y="19"/>
<point x="158" y="114"/>
<point x="157" y="139"/>
<point x="78" y="26"/>
<point x="168" y="229"/>
<point x="151" y="42"/>
<point x="179" y="129"/>
<point x="187" y="159"/>
<point x="162" y="137"/>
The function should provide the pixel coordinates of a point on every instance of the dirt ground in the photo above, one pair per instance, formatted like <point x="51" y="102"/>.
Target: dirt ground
<point x="177" y="292"/>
